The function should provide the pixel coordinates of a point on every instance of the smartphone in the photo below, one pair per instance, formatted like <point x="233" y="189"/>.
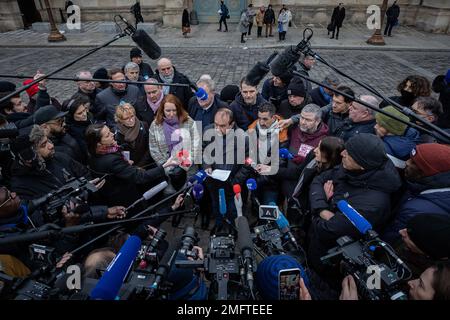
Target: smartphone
<point x="126" y="155"/>
<point x="289" y="284"/>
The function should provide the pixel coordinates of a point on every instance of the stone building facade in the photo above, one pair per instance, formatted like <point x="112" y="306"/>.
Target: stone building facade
<point x="428" y="15"/>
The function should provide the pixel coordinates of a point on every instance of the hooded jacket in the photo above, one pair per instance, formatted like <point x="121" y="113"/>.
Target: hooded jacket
<point x="245" y="114"/>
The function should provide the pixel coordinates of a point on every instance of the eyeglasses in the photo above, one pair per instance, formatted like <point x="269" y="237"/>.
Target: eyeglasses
<point x="7" y="200"/>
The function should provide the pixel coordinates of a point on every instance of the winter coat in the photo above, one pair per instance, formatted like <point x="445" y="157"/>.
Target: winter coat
<point x="350" y="128"/>
<point x="182" y="93"/>
<point x="123" y="179"/>
<point x="139" y="152"/>
<point x="440" y="86"/>
<point x="243" y="113"/>
<point x="107" y="101"/>
<point x="338" y="16"/>
<point x="67" y="145"/>
<point x="334" y="120"/>
<point x="400" y="147"/>
<point x="283" y="19"/>
<point x="269" y="16"/>
<point x="206" y="117"/>
<point x="274" y="94"/>
<point x="260" y="18"/>
<point x="286" y="110"/>
<point x="392" y="13"/>
<point x="367" y="192"/>
<point x="77" y="129"/>
<point x="427" y="196"/>
<point x="244" y="22"/>
<point x="320" y="97"/>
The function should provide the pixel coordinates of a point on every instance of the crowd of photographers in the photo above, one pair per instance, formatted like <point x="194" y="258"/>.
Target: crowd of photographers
<point x="118" y="140"/>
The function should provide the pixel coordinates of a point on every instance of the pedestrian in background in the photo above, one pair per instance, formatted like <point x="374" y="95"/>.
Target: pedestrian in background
<point x="185" y="23"/>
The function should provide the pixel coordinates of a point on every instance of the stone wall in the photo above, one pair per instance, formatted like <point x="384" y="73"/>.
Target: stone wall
<point x="10" y="17"/>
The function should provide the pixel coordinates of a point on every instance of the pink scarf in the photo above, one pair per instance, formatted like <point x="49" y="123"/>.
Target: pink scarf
<point x="155" y="105"/>
<point x="108" y="149"/>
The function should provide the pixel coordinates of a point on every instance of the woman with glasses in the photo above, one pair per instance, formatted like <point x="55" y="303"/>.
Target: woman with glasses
<point x="123" y="178"/>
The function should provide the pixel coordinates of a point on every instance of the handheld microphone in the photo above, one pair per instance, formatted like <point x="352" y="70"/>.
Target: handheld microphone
<point x="252" y="186"/>
<point x="283" y="225"/>
<point x="110" y="283"/>
<point x="155" y="190"/>
<point x="354" y="217"/>
<point x="201" y="94"/>
<point x="284" y="62"/>
<point x="245" y="245"/>
<point x="197" y="192"/>
<point x="237" y="199"/>
<point x="143" y="40"/>
<point x="222" y="202"/>
<point x="285" y="154"/>
<point x="260" y="70"/>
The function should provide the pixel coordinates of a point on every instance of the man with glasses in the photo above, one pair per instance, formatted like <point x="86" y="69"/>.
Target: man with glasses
<point x="52" y="122"/>
<point x="429" y="109"/>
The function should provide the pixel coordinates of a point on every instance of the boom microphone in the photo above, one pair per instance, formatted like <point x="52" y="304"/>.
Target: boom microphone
<point x="245" y="245"/>
<point x="355" y="217"/>
<point x="285" y="61"/>
<point x="143" y="40"/>
<point x="260" y="70"/>
<point x="149" y="194"/>
<point x="110" y="283"/>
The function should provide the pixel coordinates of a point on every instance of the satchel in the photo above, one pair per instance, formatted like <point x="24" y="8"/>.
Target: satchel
<point x="330" y="26"/>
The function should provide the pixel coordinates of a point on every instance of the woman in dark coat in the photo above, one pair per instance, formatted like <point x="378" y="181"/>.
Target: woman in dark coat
<point x="122" y="178"/>
<point x="77" y="120"/>
<point x="185" y="23"/>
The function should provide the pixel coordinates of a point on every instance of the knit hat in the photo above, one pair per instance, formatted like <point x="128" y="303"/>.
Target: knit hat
<point x="135" y="52"/>
<point x="286" y="77"/>
<point x="229" y="92"/>
<point x="31" y="91"/>
<point x="296" y="88"/>
<point x="393" y="126"/>
<point x="431" y="158"/>
<point x="367" y="150"/>
<point x="267" y="274"/>
<point x="101" y="73"/>
<point x="46" y="114"/>
<point x="6" y="86"/>
<point x="431" y="234"/>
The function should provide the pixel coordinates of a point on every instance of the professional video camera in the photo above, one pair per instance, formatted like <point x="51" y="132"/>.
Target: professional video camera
<point x="378" y="272"/>
<point x="76" y="190"/>
<point x="7" y="132"/>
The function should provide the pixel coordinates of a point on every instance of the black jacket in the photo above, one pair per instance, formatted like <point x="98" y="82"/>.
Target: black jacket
<point x="68" y="145"/>
<point x="440" y="86"/>
<point x="269" y="16"/>
<point x="368" y="192"/>
<point x="286" y="110"/>
<point x="318" y="98"/>
<point x="334" y="121"/>
<point x="197" y="113"/>
<point x="274" y="94"/>
<point x="30" y="183"/>
<point x="121" y="187"/>
<point x="351" y="128"/>
<point x="244" y="114"/>
<point x="90" y="96"/>
<point x="77" y="129"/>
<point x="139" y="148"/>
<point x="145" y="70"/>
<point x="338" y="16"/>
<point x="182" y="93"/>
<point x="393" y="12"/>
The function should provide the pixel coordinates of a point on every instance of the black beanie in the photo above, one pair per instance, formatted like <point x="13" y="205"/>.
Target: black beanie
<point x="431" y="234"/>
<point x="296" y="88"/>
<point x="286" y="77"/>
<point x="135" y="52"/>
<point x="367" y="150"/>
<point x="6" y="86"/>
<point x="229" y="92"/>
<point x="101" y="73"/>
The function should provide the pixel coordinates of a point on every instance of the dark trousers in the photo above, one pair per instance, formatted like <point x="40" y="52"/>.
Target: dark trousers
<point x="242" y="36"/>
<point x="250" y="25"/>
<point x="337" y="33"/>
<point x="389" y="26"/>
<point x="224" y="20"/>
<point x="259" y="31"/>
<point x="282" y="35"/>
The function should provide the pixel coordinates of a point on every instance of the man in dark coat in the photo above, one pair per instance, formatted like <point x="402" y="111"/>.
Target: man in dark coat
<point x="107" y="100"/>
<point x="224" y="15"/>
<point x="145" y="70"/>
<point x="245" y="106"/>
<point x="392" y="18"/>
<point x="337" y="18"/>
<point x="336" y="113"/>
<point x="297" y="99"/>
<point x="428" y="186"/>
<point x="86" y="87"/>
<point x="167" y="73"/>
<point x="269" y="20"/>
<point x="361" y="119"/>
<point x="365" y="179"/>
<point x="275" y="89"/>
<point x="321" y="95"/>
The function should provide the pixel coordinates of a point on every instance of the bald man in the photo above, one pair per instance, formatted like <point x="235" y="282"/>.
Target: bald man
<point x="167" y="73"/>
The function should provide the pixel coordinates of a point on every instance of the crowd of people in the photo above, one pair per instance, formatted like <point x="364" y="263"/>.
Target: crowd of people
<point x="126" y="138"/>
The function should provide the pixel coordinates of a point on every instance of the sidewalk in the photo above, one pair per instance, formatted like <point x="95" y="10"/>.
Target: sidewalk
<point x="352" y="37"/>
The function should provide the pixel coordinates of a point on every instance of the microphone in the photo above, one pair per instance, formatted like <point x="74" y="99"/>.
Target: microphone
<point x="110" y="283"/>
<point x="164" y="266"/>
<point x="155" y="190"/>
<point x="201" y="94"/>
<point x="354" y="217"/>
<point x="284" y="62"/>
<point x="283" y="225"/>
<point x="222" y="203"/>
<point x="285" y="154"/>
<point x="252" y="186"/>
<point x="245" y="245"/>
<point x="260" y="70"/>
<point x="237" y="199"/>
<point x="143" y="40"/>
<point x="197" y="192"/>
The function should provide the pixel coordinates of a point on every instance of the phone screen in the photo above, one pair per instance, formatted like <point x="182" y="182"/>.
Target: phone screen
<point x="289" y="284"/>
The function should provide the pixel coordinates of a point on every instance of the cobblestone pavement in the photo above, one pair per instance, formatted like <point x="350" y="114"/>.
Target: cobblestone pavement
<point x="383" y="70"/>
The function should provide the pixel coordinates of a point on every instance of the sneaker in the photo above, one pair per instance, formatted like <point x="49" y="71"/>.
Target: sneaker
<point x="242" y="41"/>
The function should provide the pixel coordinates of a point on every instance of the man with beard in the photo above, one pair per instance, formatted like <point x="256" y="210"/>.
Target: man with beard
<point x="52" y="122"/>
<point x="245" y="105"/>
<point x="427" y="175"/>
<point x="297" y="98"/>
<point x="118" y="93"/>
<point x="167" y="73"/>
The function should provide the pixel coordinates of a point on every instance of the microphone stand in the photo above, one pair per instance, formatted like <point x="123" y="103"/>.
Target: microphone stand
<point x="405" y="110"/>
<point x="445" y="135"/>
<point x="99" y="80"/>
